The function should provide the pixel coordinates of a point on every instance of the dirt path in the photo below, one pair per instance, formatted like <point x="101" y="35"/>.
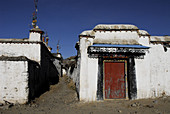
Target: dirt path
<point x="63" y="100"/>
<point x="57" y="100"/>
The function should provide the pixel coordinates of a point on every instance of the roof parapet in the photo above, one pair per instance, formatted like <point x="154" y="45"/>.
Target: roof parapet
<point x="115" y="27"/>
<point x="160" y="38"/>
<point x="88" y="34"/>
<point x="38" y="30"/>
<point x="143" y="33"/>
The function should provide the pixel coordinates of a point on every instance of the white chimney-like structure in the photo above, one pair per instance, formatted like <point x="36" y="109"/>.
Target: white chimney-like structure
<point x="35" y="34"/>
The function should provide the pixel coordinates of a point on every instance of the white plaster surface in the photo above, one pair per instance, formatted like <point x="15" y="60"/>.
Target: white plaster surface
<point x="14" y="74"/>
<point x="30" y="50"/>
<point x="116" y="37"/>
<point x="142" y="67"/>
<point x="92" y="78"/>
<point x="34" y="36"/>
<point x="88" y="72"/>
<point x="64" y="71"/>
<point x="152" y="71"/>
<point x="83" y="70"/>
<point x="14" y="81"/>
<point x="160" y="70"/>
<point x="144" y="40"/>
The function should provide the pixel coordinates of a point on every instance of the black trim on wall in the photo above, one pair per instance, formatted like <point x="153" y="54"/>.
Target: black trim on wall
<point x="131" y="78"/>
<point x="132" y="85"/>
<point x="100" y="79"/>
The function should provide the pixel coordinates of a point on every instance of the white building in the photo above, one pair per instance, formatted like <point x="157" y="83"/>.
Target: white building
<point x="121" y="62"/>
<point x="27" y="68"/>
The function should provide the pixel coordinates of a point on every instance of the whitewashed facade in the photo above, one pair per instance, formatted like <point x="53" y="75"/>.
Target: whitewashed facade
<point x="147" y="67"/>
<point x="27" y="68"/>
<point x="15" y="74"/>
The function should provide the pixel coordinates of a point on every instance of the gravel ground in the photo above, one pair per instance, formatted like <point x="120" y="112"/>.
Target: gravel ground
<point x="62" y="99"/>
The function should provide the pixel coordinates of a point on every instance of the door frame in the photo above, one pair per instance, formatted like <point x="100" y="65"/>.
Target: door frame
<point x="126" y="83"/>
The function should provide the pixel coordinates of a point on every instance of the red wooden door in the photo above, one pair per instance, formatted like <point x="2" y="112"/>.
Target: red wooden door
<point x="114" y="80"/>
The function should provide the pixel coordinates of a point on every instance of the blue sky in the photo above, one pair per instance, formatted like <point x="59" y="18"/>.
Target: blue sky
<point x="64" y="20"/>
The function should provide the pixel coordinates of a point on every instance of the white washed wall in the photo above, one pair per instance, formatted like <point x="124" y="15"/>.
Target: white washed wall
<point x="142" y="67"/>
<point x="64" y="71"/>
<point x="116" y="37"/>
<point x="31" y="50"/>
<point x="14" y="81"/>
<point x="153" y="73"/>
<point x="88" y="72"/>
<point x="34" y="36"/>
<point x="160" y="70"/>
<point x="83" y="70"/>
<point x="144" y="40"/>
<point x="92" y="78"/>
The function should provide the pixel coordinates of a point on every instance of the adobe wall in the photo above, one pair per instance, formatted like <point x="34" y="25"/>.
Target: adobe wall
<point x="116" y="37"/>
<point x="40" y="76"/>
<point x="74" y="73"/>
<point x="152" y="73"/>
<point x="18" y="84"/>
<point x="88" y="72"/>
<point x="49" y="72"/>
<point x="89" y="67"/>
<point x="14" y="49"/>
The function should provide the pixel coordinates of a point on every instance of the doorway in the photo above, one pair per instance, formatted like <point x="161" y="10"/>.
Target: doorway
<point x="115" y="79"/>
